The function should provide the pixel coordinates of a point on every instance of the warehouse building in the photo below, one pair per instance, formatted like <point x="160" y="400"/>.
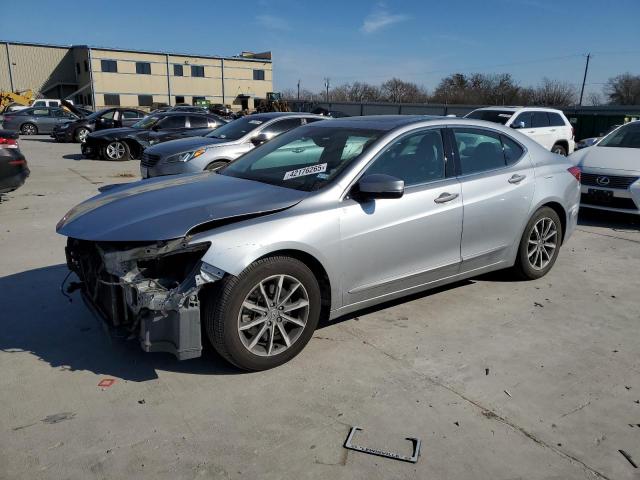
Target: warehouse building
<point x="104" y="77"/>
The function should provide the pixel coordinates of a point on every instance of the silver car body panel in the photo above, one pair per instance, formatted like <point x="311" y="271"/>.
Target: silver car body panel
<point x="371" y="251"/>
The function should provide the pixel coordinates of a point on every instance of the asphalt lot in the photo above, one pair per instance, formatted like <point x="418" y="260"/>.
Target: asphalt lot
<point x="499" y="379"/>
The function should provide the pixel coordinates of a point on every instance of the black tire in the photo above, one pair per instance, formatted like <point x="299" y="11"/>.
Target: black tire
<point x="28" y="129"/>
<point x="221" y="308"/>
<point x="216" y="165"/>
<point x="116" y="151"/>
<point x="80" y="135"/>
<point x="523" y="267"/>
<point x="559" y="149"/>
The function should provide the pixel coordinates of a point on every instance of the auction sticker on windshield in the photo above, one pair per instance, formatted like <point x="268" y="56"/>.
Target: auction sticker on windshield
<point x="301" y="172"/>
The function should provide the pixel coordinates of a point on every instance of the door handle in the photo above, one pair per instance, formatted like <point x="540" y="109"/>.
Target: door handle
<point x="446" y="197"/>
<point x="517" y="178"/>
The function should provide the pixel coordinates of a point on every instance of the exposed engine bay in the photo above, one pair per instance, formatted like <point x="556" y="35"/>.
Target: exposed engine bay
<point x="151" y="288"/>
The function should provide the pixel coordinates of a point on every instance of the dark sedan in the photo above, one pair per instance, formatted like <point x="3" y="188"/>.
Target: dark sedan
<point x="126" y="143"/>
<point x="78" y="130"/>
<point x="13" y="165"/>
<point x="32" y="121"/>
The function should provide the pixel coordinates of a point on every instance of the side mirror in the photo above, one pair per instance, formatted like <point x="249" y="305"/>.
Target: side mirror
<point x="155" y="127"/>
<point x="379" y="185"/>
<point x="517" y="125"/>
<point x="259" y="139"/>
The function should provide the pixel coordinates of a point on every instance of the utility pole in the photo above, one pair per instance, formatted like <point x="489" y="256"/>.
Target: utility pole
<point x="584" y="80"/>
<point x="326" y="86"/>
<point x="298" y="89"/>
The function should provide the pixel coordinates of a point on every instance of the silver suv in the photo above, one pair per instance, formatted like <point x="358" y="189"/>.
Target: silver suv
<point x="549" y="127"/>
<point x="218" y="148"/>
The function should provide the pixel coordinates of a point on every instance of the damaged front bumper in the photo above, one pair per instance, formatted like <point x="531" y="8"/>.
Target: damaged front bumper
<point x="151" y="289"/>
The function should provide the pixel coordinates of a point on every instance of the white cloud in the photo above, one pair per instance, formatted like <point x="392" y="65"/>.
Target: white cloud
<point x="272" y="22"/>
<point x="381" y="18"/>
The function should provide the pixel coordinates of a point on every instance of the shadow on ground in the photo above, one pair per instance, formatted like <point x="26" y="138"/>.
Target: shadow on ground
<point x="37" y="318"/>
<point x="613" y="220"/>
<point x="75" y="156"/>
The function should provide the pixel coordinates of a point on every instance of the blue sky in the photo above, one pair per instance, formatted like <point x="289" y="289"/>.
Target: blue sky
<point x="351" y="40"/>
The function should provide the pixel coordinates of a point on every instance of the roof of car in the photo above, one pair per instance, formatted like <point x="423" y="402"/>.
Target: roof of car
<point x="508" y="108"/>
<point x="380" y="122"/>
<point x="263" y="117"/>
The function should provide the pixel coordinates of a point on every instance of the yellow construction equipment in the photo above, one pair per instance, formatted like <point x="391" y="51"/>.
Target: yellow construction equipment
<point x="24" y="97"/>
<point x="273" y="103"/>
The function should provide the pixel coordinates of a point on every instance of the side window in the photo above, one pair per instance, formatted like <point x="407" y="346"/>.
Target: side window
<point x="417" y="158"/>
<point x="178" y="70"/>
<point x="524" y="117"/>
<point x="540" y="120"/>
<point x="555" y="120"/>
<point x="130" y="114"/>
<point x="58" y="113"/>
<point x="282" y="126"/>
<point x="40" y="112"/>
<point x="479" y="150"/>
<point x="512" y="151"/>
<point x="306" y="121"/>
<point x="143" y="68"/>
<point x="40" y="103"/>
<point x="108" y="115"/>
<point x="110" y="66"/>
<point x="198" y="121"/>
<point x="197" y="71"/>
<point x="172" y="121"/>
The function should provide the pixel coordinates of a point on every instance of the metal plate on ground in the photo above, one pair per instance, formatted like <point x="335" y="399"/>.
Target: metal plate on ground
<point x="372" y="451"/>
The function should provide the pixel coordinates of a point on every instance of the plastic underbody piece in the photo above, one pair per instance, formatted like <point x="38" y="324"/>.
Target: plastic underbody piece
<point x="372" y="451"/>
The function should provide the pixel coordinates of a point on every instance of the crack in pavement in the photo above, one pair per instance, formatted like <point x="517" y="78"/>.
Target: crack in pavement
<point x="84" y="177"/>
<point x="487" y="412"/>
<point x="607" y="235"/>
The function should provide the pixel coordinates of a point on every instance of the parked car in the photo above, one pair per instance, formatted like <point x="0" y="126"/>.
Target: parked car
<point x="221" y="146"/>
<point x="611" y="171"/>
<point x="258" y="251"/>
<point x="220" y="109"/>
<point x="49" y="102"/>
<point x="78" y="130"/>
<point x="35" y="120"/>
<point x="129" y="142"/>
<point x="189" y="108"/>
<point x="589" y="142"/>
<point x="13" y="166"/>
<point x="550" y="128"/>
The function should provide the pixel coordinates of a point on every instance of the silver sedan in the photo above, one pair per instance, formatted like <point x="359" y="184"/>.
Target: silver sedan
<point x="322" y="221"/>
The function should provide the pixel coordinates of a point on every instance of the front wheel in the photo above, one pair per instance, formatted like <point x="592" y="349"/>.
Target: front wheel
<point x="116" y="151"/>
<point x="266" y="315"/>
<point x="540" y="244"/>
<point x="216" y="165"/>
<point x="81" y="134"/>
<point x="29" y="129"/>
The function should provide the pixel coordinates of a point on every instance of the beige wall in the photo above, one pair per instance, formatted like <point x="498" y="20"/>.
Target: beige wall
<point x="128" y="84"/>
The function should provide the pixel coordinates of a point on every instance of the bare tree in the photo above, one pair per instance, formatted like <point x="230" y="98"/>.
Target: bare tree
<point x="623" y="89"/>
<point x="477" y="88"/>
<point x="594" y="99"/>
<point x="554" y="93"/>
<point x="399" y="91"/>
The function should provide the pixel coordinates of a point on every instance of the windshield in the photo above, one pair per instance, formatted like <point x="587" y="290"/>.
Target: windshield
<point x="495" y="116"/>
<point x="307" y="158"/>
<point x="236" y="129"/>
<point x="627" y="136"/>
<point x="147" y="122"/>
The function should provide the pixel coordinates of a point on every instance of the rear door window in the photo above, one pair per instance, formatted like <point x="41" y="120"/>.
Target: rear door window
<point x="512" y="151"/>
<point x="172" y="121"/>
<point x="41" y="112"/>
<point x="478" y="150"/>
<point x="555" y="120"/>
<point x="197" y="121"/>
<point x="540" y="120"/>
<point x="280" y="127"/>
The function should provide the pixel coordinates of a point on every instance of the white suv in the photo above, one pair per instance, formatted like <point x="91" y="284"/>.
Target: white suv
<point x="548" y="127"/>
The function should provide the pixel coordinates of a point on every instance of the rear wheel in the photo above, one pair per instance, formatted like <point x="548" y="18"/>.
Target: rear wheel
<point x="216" y="165"/>
<point x="29" y="129"/>
<point x="266" y="315"/>
<point x="559" y="149"/>
<point x="539" y="245"/>
<point x="81" y="134"/>
<point x="115" y="151"/>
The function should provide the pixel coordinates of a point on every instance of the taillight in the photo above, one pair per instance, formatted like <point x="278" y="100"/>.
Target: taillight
<point x="8" y="142"/>
<point x="575" y="171"/>
<point x="16" y="163"/>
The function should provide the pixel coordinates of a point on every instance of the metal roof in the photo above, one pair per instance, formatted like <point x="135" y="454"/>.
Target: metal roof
<point x="133" y="50"/>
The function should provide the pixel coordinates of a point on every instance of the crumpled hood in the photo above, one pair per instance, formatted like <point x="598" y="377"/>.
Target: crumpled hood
<point x="182" y="145"/>
<point x="607" y="158"/>
<point x="164" y="209"/>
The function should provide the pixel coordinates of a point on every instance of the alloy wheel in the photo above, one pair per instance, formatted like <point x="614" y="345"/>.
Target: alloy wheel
<point x="115" y="150"/>
<point x="82" y="135"/>
<point x="28" y="129"/>
<point x="543" y="242"/>
<point x="273" y="315"/>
